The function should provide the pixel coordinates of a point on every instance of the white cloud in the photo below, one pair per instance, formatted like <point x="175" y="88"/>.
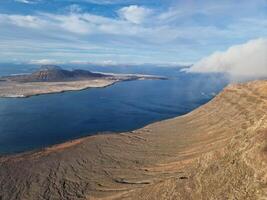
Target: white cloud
<point x="134" y="14"/>
<point x="44" y="62"/>
<point x="27" y="21"/>
<point x="74" y="23"/>
<point x="23" y="1"/>
<point x="74" y="8"/>
<point x="105" y="2"/>
<point x="27" y="1"/>
<point x="247" y="60"/>
<point x="88" y="24"/>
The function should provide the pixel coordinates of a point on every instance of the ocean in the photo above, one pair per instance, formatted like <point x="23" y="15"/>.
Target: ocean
<point x="40" y="121"/>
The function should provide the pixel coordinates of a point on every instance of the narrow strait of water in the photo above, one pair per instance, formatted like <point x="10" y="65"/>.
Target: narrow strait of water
<point x="40" y="121"/>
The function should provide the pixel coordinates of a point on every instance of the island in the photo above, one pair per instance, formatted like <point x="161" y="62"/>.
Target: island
<point x="54" y="79"/>
<point x="218" y="151"/>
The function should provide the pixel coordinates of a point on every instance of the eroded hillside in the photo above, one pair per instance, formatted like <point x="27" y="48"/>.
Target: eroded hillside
<point x="218" y="151"/>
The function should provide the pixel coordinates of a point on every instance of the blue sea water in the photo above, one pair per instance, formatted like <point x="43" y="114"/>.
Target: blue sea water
<point x="40" y="121"/>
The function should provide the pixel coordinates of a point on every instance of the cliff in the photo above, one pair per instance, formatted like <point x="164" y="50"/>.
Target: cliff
<point x="218" y="151"/>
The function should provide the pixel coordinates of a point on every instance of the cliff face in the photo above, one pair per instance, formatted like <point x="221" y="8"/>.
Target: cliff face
<point x="218" y="151"/>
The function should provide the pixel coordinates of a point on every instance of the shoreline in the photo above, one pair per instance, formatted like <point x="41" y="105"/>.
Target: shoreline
<point x="59" y="92"/>
<point x="30" y="89"/>
<point x="220" y="147"/>
<point x="41" y="149"/>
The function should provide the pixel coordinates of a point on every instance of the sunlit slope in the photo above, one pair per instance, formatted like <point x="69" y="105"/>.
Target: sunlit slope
<point x="218" y="151"/>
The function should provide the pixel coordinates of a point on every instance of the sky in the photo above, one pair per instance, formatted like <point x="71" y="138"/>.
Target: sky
<point x="127" y="31"/>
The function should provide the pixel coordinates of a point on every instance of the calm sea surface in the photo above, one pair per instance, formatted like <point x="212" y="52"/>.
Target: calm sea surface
<point x="39" y="121"/>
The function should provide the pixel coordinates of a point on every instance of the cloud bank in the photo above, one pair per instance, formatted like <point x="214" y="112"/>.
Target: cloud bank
<point x="135" y="31"/>
<point x="243" y="61"/>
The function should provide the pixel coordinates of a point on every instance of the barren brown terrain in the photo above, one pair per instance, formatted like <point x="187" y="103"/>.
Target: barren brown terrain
<point x="53" y="79"/>
<point x="218" y="151"/>
<point x="14" y="89"/>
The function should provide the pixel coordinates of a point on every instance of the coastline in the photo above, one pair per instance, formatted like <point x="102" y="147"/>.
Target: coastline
<point x="25" y="90"/>
<point x="59" y="91"/>
<point x="171" y="157"/>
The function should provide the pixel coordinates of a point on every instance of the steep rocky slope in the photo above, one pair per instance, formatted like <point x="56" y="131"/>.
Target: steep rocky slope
<point x="218" y="151"/>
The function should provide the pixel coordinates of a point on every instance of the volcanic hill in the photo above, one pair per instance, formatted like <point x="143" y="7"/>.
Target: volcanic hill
<point x="52" y="73"/>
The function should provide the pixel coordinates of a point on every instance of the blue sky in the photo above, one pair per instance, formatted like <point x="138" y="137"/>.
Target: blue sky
<point x="126" y="31"/>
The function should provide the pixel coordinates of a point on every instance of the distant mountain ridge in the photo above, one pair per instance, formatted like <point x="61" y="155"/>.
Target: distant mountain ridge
<point x="53" y="73"/>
